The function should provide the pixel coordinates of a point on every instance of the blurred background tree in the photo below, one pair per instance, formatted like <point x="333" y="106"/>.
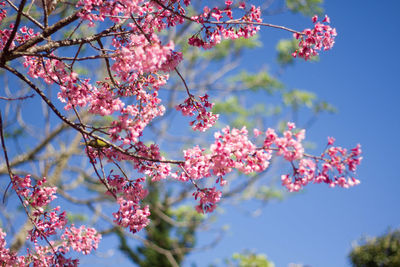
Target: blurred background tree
<point x="249" y="259"/>
<point x="381" y="251"/>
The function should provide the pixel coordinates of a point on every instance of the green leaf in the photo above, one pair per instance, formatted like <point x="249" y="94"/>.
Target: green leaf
<point x="248" y="259"/>
<point x="297" y="98"/>
<point x="230" y="106"/>
<point x="76" y="217"/>
<point x="285" y="48"/>
<point x="231" y="47"/>
<point x="324" y="106"/>
<point x="267" y="193"/>
<point x="306" y="7"/>
<point x="258" y="81"/>
<point x="380" y="251"/>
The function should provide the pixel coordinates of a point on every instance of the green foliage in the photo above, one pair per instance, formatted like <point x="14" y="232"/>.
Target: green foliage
<point x="81" y="32"/>
<point x="65" y="8"/>
<point x="383" y="251"/>
<point x="285" y="48"/>
<point x="238" y="114"/>
<point x="263" y="193"/>
<point x="225" y="49"/>
<point x="230" y="106"/>
<point x="191" y="219"/>
<point x="306" y="7"/>
<point x="258" y="81"/>
<point x="324" y="106"/>
<point x="267" y="193"/>
<point x="231" y="47"/>
<point x="103" y="121"/>
<point x="248" y="259"/>
<point x="186" y="213"/>
<point x="76" y="217"/>
<point x="233" y="109"/>
<point x="297" y="98"/>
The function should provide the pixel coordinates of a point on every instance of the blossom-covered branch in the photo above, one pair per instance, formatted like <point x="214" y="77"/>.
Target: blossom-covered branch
<point x="138" y="62"/>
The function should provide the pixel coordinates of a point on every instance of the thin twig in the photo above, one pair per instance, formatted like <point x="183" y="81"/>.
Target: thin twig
<point x="10" y="173"/>
<point x="26" y="15"/>
<point x="13" y="33"/>
<point x="16" y="98"/>
<point x="108" y="67"/>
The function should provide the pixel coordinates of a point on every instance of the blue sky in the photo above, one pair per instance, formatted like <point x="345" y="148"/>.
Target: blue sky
<point x="360" y="77"/>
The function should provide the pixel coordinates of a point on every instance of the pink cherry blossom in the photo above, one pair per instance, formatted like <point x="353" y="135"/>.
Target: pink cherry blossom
<point x="313" y="40"/>
<point x="208" y="197"/>
<point x="205" y="119"/>
<point x="139" y="62"/>
<point x="81" y="239"/>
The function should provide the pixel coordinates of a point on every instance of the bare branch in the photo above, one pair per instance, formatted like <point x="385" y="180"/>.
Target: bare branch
<point x="16" y="98"/>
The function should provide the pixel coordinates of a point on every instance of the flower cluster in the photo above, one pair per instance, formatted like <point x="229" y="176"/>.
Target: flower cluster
<point x="104" y="101"/>
<point x="157" y="170"/>
<point x="3" y="12"/>
<point x="95" y="10"/>
<point x="141" y="56"/>
<point x="208" y="197"/>
<point x="172" y="61"/>
<point x="313" y="40"/>
<point x="232" y="149"/>
<point x="131" y="215"/>
<point x="205" y="119"/>
<point x="336" y="164"/>
<point x="73" y="92"/>
<point x="20" y="37"/>
<point x="6" y="256"/>
<point x="81" y="239"/>
<point x="35" y="195"/>
<point x="289" y="145"/>
<point x="129" y="194"/>
<point x="46" y="224"/>
<point x="128" y="127"/>
<point x="232" y="29"/>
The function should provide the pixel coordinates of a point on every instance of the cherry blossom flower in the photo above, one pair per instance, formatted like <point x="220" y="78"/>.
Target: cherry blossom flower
<point x="313" y="40"/>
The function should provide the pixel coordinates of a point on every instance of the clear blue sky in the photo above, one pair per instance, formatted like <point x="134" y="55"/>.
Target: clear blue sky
<point x="360" y="77"/>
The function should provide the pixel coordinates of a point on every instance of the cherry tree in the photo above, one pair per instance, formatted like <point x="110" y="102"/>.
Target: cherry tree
<point x="44" y="49"/>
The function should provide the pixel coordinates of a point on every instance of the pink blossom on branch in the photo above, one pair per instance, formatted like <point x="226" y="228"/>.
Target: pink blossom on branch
<point x="3" y="12"/>
<point x="138" y="66"/>
<point x="81" y="239"/>
<point x="313" y="40"/>
<point x="130" y="214"/>
<point x="21" y="36"/>
<point x="8" y="258"/>
<point x="229" y="29"/>
<point x="205" y="119"/>
<point x="46" y="224"/>
<point x="208" y="197"/>
<point x="232" y="150"/>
